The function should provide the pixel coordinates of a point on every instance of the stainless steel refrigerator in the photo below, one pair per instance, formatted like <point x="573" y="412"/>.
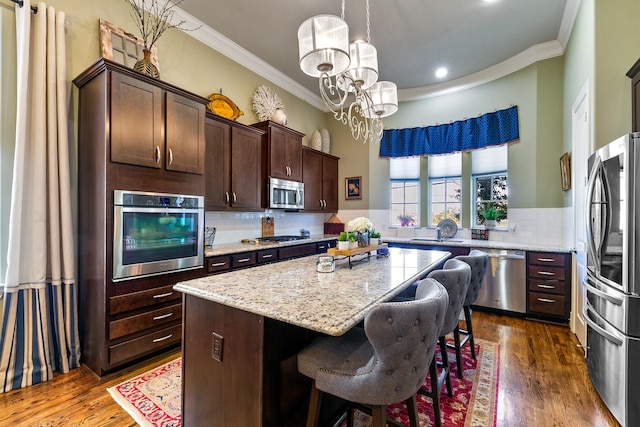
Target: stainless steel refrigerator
<point x="612" y="311"/>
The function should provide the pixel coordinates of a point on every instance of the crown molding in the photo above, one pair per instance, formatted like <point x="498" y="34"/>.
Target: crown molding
<point x="235" y="52"/>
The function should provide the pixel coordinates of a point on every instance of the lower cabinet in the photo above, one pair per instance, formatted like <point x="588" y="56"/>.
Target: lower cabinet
<point x="549" y="285"/>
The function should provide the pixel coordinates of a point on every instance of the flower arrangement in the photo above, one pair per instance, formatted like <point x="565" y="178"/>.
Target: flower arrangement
<point x="360" y="225"/>
<point x="406" y="220"/>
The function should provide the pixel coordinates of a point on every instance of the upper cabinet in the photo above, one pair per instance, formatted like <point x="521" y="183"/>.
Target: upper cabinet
<point x="233" y="178"/>
<point x="284" y="151"/>
<point x="154" y="127"/>
<point x="320" y="177"/>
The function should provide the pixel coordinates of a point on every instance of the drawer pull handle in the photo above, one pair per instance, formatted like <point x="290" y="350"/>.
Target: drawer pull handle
<point x="546" y="286"/>
<point x="547" y="300"/>
<point x="163" y="316"/>
<point x="163" y="338"/>
<point x="218" y="264"/>
<point x="168" y="294"/>
<point x="170" y="156"/>
<point x="244" y="260"/>
<point x="546" y="259"/>
<point x="267" y="256"/>
<point x="546" y="273"/>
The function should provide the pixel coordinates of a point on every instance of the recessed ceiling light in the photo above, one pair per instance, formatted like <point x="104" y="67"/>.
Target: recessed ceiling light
<point x="441" y="72"/>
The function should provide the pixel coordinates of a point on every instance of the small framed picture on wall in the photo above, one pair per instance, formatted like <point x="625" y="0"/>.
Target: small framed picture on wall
<point x="565" y="172"/>
<point x="353" y="188"/>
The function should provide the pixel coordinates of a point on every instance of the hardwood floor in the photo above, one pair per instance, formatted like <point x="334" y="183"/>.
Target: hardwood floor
<point x="543" y="382"/>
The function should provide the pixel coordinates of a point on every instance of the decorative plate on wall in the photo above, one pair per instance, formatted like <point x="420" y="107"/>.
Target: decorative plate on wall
<point x="222" y="106"/>
<point x="448" y="228"/>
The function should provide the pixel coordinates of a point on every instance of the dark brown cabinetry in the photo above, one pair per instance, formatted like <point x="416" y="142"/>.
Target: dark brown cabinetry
<point x="549" y="285"/>
<point x="234" y="165"/>
<point x="634" y="75"/>
<point x="320" y="177"/>
<point x="284" y="151"/>
<point x="135" y="133"/>
<point x="155" y="128"/>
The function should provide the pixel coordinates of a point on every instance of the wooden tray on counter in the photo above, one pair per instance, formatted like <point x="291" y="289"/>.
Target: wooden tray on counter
<point x="355" y="251"/>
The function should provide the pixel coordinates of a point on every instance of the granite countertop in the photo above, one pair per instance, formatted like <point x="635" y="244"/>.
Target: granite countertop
<point x="331" y="303"/>
<point x="233" y="248"/>
<point x="480" y="244"/>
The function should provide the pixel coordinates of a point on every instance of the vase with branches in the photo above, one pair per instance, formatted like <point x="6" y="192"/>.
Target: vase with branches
<point x="153" y="18"/>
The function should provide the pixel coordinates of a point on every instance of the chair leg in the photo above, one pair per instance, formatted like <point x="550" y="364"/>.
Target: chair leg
<point x="445" y="362"/>
<point x="456" y="341"/>
<point x="435" y="393"/>
<point x="379" y="416"/>
<point x="349" y="415"/>
<point x="314" y="406"/>
<point x="467" y="320"/>
<point x="412" y="411"/>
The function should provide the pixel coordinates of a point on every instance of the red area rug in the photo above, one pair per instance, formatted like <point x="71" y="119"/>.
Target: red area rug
<point x="153" y="398"/>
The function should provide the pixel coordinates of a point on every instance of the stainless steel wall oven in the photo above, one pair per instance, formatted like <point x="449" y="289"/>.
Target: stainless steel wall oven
<point x="156" y="233"/>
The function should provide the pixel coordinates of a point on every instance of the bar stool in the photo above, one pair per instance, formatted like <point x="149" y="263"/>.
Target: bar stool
<point x="478" y="261"/>
<point x="454" y="276"/>
<point x="384" y="363"/>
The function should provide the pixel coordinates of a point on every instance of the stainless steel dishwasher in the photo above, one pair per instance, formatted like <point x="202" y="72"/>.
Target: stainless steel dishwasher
<point x="505" y="283"/>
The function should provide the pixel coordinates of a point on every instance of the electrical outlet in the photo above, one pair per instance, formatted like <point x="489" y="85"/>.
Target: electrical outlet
<point x="217" y="347"/>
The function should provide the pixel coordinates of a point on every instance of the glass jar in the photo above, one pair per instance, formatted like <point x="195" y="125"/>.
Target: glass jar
<point x="325" y="264"/>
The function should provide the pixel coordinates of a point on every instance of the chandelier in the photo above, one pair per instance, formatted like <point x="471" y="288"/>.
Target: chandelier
<point x="347" y="74"/>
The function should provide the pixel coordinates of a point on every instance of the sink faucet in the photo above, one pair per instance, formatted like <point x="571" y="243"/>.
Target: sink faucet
<point x="438" y="234"/>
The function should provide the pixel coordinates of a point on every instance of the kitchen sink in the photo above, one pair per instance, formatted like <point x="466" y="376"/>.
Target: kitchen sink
<point x="433" y="239"/>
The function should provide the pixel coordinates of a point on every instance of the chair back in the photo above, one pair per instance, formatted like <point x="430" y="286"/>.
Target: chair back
<point x="403" y="336"/>
<point x="455" y="276"/>
<point x="478" y="261"/>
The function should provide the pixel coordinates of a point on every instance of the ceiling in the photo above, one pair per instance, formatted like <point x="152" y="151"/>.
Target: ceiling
<point x="476" y="40"/>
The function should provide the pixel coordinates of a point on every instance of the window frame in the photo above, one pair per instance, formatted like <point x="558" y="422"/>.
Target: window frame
<point x="475" y="201"/>
<point x="446" y="179"/>
<point x="394" y="221"/>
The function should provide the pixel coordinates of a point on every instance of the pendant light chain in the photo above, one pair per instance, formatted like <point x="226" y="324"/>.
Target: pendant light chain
<point x="368" y="24"/>
<point x="342" y="15"/>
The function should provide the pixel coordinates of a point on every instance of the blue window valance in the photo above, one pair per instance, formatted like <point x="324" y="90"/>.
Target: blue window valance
<point x="497" y="128"/>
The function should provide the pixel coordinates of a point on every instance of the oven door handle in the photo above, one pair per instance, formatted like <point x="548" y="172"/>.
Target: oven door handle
<point x="589" y="285"/>
<point x="599" y="329"/>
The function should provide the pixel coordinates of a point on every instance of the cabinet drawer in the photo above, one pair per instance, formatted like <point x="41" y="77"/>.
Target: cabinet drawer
<point x="546" y="258"/>
<point x="267" y="255"/>
<point x="140" y="322"/>
<point x="218" y="263"/>
<point x="551" y="304"/>
<point x="135" y="300"/>
<point x="245" y="259"/>
<point x="145" y="344"/>
<point x="296" y="251"/>
<point x="544" y="272"/>
<point x="547" y="286"/>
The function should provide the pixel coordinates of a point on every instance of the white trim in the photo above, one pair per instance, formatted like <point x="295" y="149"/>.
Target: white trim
<point x="235" y="52"/>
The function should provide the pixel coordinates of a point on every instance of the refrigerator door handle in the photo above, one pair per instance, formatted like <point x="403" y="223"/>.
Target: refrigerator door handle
<point x="589" y="209"/>
<point x="586" y="310"/>
<point x="588" y="284"/>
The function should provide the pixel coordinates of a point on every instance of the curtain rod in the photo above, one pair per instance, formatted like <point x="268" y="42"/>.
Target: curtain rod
<point x="21" y="3"/>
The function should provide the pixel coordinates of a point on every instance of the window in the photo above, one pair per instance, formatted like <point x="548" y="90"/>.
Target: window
<point x="444" y="188"/>
<point x="405" y="191"/>
<point x="490" y="180"/>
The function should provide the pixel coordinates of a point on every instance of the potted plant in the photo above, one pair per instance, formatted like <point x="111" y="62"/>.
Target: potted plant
<point x="491" y="214"/>
<point x="343" y="241"/>
<point x="374" y="237"/>
<point x="406" y="220"/>
<point x="353" y="240"/>
<point x="360" y="227"/>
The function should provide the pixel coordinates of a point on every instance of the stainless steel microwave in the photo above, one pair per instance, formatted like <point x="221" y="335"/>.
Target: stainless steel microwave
<point x="284" y="194"/>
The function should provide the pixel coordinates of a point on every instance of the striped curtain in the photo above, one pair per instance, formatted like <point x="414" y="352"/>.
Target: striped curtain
<point x="40" y="323"/>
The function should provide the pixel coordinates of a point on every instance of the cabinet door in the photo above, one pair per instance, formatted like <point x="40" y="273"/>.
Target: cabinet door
<point x="184" y="134"/>
<point x="136" y="122"/>
<point x="330" y="183"/>
<point x="312" y="166"/>
<point x="246" y="169"/>
<point x="218" y="175"/>
<point x="285" y="154"/>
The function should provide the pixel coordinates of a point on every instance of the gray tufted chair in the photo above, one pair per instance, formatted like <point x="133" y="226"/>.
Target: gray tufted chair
<point x="479" y="262"/>
<point x="384" y="363"/>
<point x="454" y="276"/>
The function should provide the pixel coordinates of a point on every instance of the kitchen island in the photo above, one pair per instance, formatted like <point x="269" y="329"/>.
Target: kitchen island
<point x="243" y="329"/>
